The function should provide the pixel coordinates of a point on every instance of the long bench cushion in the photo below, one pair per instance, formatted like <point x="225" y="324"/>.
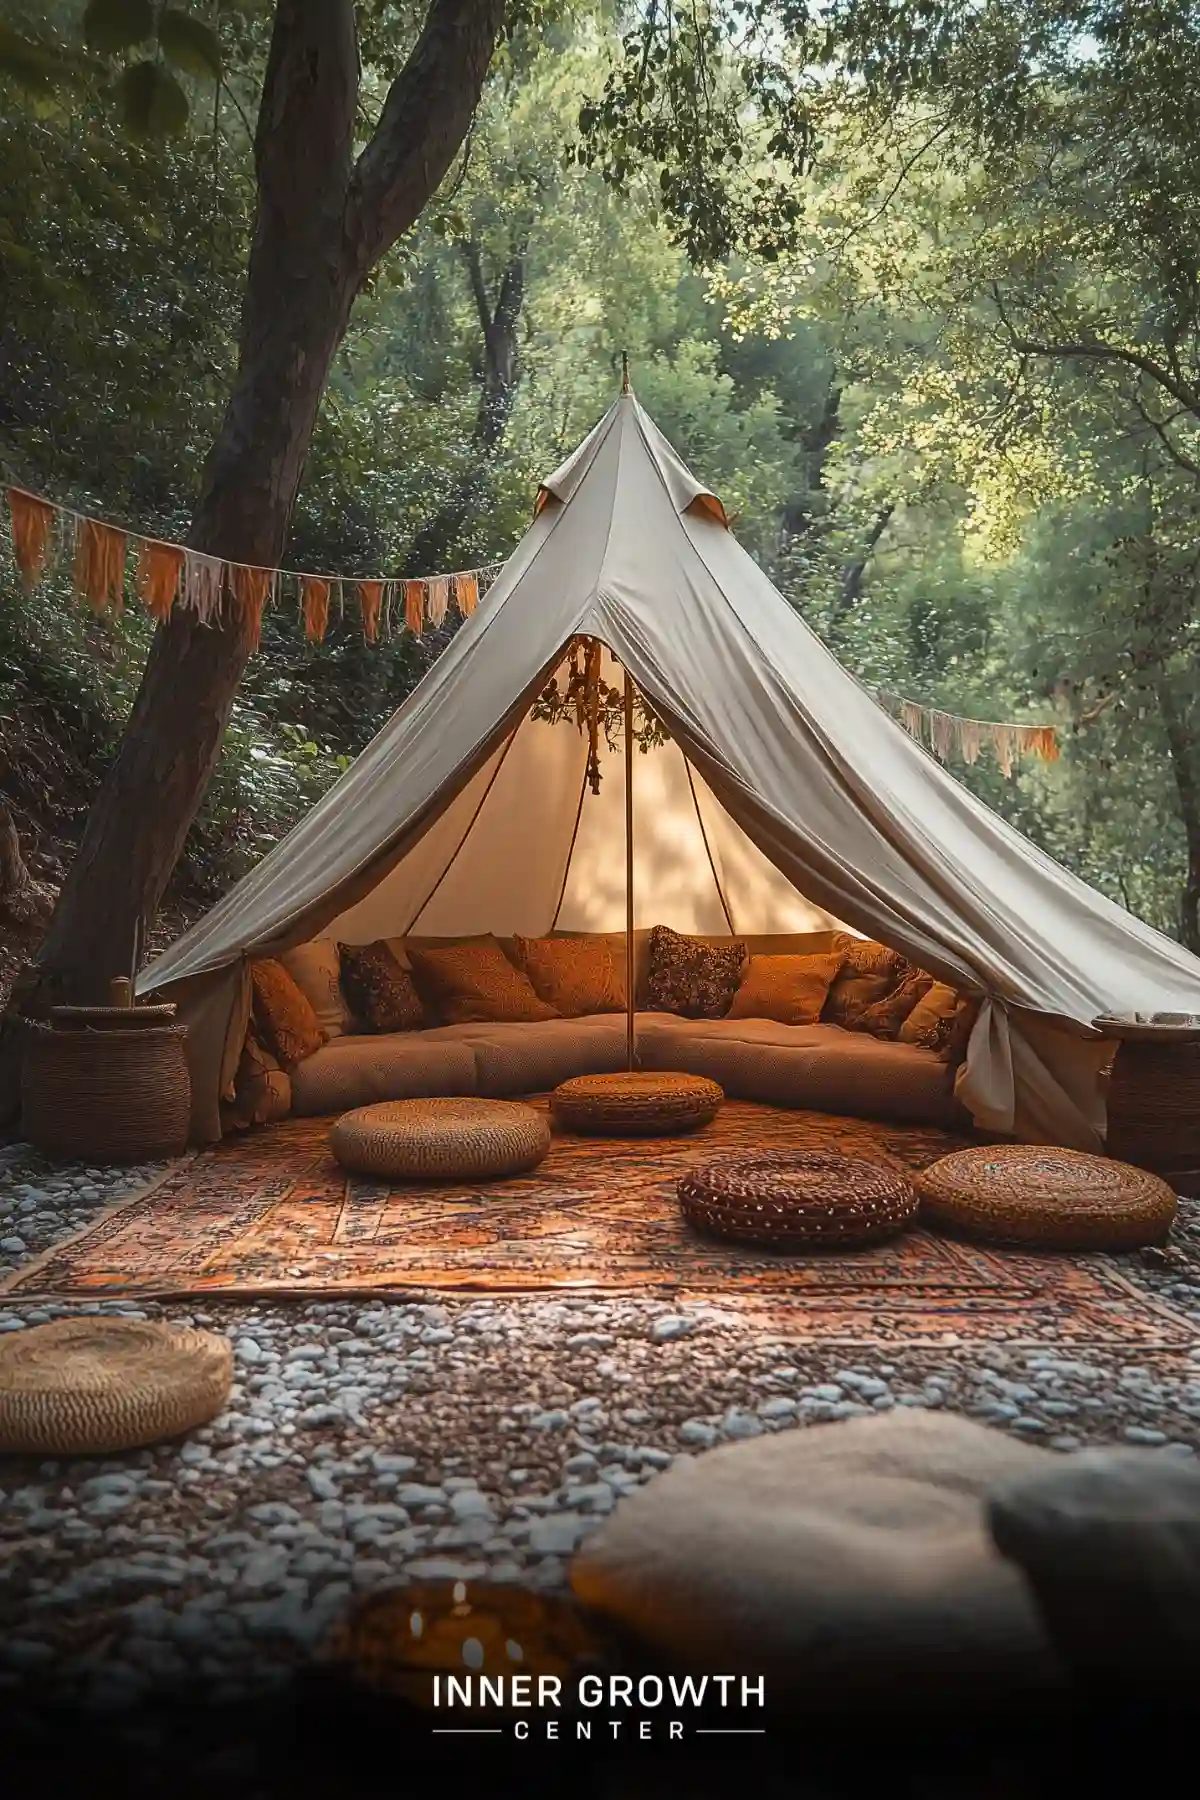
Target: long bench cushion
<point x="532" y="1059"/>
<point x="406" y="1065"/>
<point x="820" y="1067"/>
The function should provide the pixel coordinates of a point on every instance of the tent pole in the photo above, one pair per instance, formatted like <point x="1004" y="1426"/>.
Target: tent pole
<point x="631" y="1058"/>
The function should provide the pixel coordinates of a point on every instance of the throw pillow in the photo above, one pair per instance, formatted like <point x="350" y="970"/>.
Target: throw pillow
<point x="884" y="1019"/>
<point x="316" y="971"/>
<point x="791" y="989"/>
<point x="287" y="1024"/>
<point x="575" y="975"/>
<point x="262" y="1091"/>
<point x="929" y="1022"/>
<point x="954" y="1050"/>
<point x="380" y="991"/>
<point x="696" y="981"/>
<point x="868" y="974"/>
<point x="475" y="983"/>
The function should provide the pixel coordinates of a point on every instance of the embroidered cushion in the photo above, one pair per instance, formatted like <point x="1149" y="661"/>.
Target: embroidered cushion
<point x="790" y="989"/>
<point x="929" y="1022"/>
<point x="262" y="1091"/>
<point x="696" y="981"/>
<point x="886" y="1016"/>
<point x="316" y="970"/>
<point x="474" y="983"/>
<point x="380" y="990"/>
<point x="954" y="1049"/>
<point x="868" y="974"/>
<point x="287" y="1024"/>
<point x="575" y="975"/>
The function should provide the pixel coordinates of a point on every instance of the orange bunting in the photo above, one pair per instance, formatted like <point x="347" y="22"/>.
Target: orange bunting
<point x="251" y="591"/>
<point x="32" y="522"/>
<point x="466" y="592"/>
<point x="315" y="593"/>
<point x="158" y="570"/>
<point x="414" y="605"/>
<point x="100" y="564"/>
<point x="370" y="594"/>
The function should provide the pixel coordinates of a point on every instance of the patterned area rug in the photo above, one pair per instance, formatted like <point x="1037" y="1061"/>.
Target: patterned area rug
<point x="271" y="1214"/>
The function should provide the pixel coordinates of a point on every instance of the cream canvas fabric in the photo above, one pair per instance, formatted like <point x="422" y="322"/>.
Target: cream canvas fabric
<point x="787" y="800"/>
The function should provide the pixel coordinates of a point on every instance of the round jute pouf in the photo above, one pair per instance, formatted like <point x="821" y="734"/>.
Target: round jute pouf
<point x="441" y="1140"/>
<point x="802" y="1200"/>
<point x="639" y="1103"/>
<point x="92" y="1386"/>
<point x="1047" y="1199"/>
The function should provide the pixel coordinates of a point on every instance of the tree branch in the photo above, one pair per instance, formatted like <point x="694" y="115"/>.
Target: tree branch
<point x="425" y="118"/>
<point x="1097" y="350"/>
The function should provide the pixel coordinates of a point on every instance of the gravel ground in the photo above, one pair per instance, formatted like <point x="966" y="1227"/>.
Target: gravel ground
<point x="475" y="1437"/>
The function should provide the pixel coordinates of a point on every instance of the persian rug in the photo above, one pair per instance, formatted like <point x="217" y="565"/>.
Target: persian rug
<point x="269" y="1215"/>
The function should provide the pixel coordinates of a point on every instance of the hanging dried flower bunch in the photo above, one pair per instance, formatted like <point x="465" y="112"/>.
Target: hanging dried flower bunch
<point x="578" y="692"/>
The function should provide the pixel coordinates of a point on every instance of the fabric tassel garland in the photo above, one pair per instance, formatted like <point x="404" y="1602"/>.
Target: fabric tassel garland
<point x="99" y="564"/>
<point x="1004" y="741"/>
<point x="251" y="589"/>
<point x="314" y="599"/>
<point x="466" y="594"/>
<point x="439" y="600"/>
<point x="159" y="567"/>
<point x="203" y="580"/>
<point x="370" y="594"/>
<point x="32" y="524"/>
<point x="941" y="734"/>
<point x="970" y="740"/>
<point x="414" y="606"/>
<point x="912" y="717"/>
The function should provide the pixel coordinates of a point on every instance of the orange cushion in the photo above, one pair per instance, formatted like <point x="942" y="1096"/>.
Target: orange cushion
<point x="575" y="975"/>
<point x="475" y="983"/>
<point x="885" y="1018"/>
<point x="869" y="973"/>
<point x="286" y="1021"/>
<point x="928" y="1024"/>
<point x="789" y="989"/>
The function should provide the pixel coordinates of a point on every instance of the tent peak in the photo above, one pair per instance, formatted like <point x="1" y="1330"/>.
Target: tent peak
<point x="635" y="430"/>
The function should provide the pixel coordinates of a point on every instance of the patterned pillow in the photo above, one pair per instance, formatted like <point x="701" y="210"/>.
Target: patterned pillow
<point x="697" y="981"/>
<point x="929" y="1022"/>
<point x="315" y="969"/>
<point x="262" y="1091"/>
<point x="380" y="990"/>
<point x="475" y="983"/>
<point x="575" y="975"/>
<point x="790" y="989"/>
<point x="884" y="1019"/>
<point x="954" y="1050"/>
<point x="287" y="1024"/>
<point x="869" y="974"/>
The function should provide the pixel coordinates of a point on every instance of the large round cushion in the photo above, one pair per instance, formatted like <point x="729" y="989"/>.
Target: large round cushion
<point x="440" y="1140"/>
<point x="798" y="1200"/>
<point x="97" y="1385"/>
<point x="1047" y="1198"/>
<point x="846" y="1563"/>
<point x="639" y="1103"/>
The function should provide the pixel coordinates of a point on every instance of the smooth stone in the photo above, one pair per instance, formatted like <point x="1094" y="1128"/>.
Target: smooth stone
<point x="1109" y="1541"/>
<point x="848" y="1562"/>
<point x="665" y="1331"/>
<point x="557" y="1534"/>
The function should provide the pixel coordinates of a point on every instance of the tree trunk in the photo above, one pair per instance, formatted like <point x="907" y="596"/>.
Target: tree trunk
<point x="501" y="376"/>
<point x="1181" y="739"/>
<point x="323" y="222"/>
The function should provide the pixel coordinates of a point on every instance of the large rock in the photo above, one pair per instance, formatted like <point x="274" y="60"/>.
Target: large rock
<point x="1110" y="1543"/>
<point x="844" y="1561"/>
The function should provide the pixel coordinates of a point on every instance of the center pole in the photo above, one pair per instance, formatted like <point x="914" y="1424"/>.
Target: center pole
<point x="630" y="1056"/>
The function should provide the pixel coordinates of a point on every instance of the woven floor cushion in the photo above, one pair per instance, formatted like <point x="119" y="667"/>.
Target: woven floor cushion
<point x="93" y="1386"/>
<point x="1054" y="1199"/>
<point x="635" y="1103"/>
<point x="798" y="1200"/>
<point x="440" y="1140"/>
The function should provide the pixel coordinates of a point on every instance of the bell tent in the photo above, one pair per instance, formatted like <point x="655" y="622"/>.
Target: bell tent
<point x="779" y="798"/>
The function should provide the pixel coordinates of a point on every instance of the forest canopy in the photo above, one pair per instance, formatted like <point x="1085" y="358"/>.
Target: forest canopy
<point x="916" y="288"/>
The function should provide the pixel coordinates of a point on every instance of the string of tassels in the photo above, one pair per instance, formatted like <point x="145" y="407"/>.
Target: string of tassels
<point x="949" y="734"/>
<point x="169" y="575"/>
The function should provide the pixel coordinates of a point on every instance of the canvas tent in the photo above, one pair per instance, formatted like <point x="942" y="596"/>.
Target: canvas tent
<point x="785" y="799"/>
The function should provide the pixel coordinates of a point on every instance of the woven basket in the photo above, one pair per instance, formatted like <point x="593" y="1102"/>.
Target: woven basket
<point x="92" y="1386"/>
<point x="636" y="1104"/>
<point x="1046" y="1198"/>
<point x="1154" y="1105"/>
<point x="107" y="1096"/>
<point x="441" y="1140"/>
<point x="113" y="1018"/>
<point x="796" y="1201"/>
